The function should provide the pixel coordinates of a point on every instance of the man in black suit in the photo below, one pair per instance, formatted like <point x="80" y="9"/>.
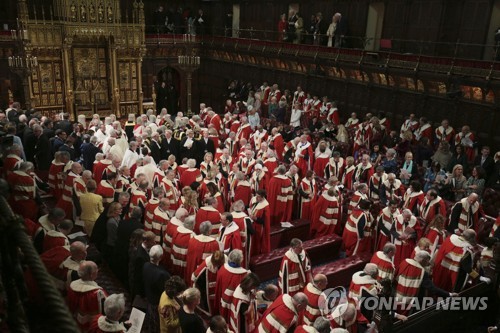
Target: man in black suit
<point x="341" y="30"/>
<point x="13" y="112"/>
<point x="65" y="124"/>
<point x="189" y="146"/>
<point x="170" y="146"/>
<point x="141" y="257"/>
<point x="123" y="233"/>
<point x="154" y="276"/>
<point x="485" y="161"/>
<point x="42" y="155"/>
<point x="155" y="147"/>
<point x="205" y="145"/>
<point x="321" y="29"/>
<point x="89" y="150"/>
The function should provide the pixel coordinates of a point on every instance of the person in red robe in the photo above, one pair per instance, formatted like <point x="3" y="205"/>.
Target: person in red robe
<point x="344" y="317"/>
<point x="59" y="236"/>
<point x="304" y="156"/>
<point x="260" y="178"/>
<point x="465" y="214"/>
<point x="436" y="233"/>
<point x="385" y="222"/>
<point x="243" y="313"/>
<point x="244" y="131"/>
<point x="405" y="231"/>
<point x="271" y="163"/>
<point x="445" y="132"/>
<point x="295" y="269"/>
<point x="453" y="264"/>
<point x="413" y="281"/>
<point x="66" y="200"/>
<point x="205" y="278"/>
<point x="280" y="196"/>
<point x="321" y="159"/>
<point x="229" y="235"/>
<point x="13" y="160"/>
<point x="360" y="194"/>
<point x="61" y="158"/>
<point x="307" y="195"/>
<point x="85" y="297"/>
<point x="432" y="206"/>
<point x="466" y="139"/>
<point x="106" y="189"/>
<point x="413" y="197"/>
<point x="180" y="242"/>
<point x="277" y="143"/>
<point x="214" y="119"/>
<point x="191" y="174"/>
<point x="383" y="260"/>
<point x="325" y="215"/>
<point x="335" y="166"/>
<point x="260" y="213"/>
<point x="171" y="227"/>
<point x="23" y="195"/>
<point x="287" y="309"/>
<point x="348" y="175"/>
<point x="200" y="247"/>
<point x="100" y="168"/>
<point x="358" y="230"/>
<point x="313" y="291"/>
<point x="229" y="277"/>
<point x="210" y="213"/>
<point x="364" y="170"/>
<point x="391" y="189"/>
<point x="114" y="307"/>
<point x="424" y="130"/>
<point x="243" y="189"/>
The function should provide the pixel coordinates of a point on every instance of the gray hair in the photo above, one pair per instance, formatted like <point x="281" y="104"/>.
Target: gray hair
<point x="180" y="212"/>
<point x="191" y="163"/>
<point x="235" y="256"/>
<point x="391" y="152"/>
<point x="26" y="166"/>
<point x="421" y="256"/>
<point x="86" y="269"/>
<point x="189" y="222"/>
<point x="156" y="252"/>
<point x="389" y="247"/>
<point x="206" y="228"/>
<point x="322" y="325"/>
<point x="371" y="269"/>
<point x="114" y="306"/>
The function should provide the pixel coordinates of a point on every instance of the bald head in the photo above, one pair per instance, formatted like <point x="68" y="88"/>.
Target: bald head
<point x="301" y="301"/>
<point x="320" y="281"/>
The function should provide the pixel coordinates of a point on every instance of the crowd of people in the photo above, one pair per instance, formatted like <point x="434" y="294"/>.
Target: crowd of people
<point x="178" y="206"/>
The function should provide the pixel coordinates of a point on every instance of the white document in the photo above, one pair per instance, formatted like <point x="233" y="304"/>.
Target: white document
<point x="77" y="234"/>
<point x="286" y="225"/>
<point x="136" y="319"/>
<point x="188" y="143"/>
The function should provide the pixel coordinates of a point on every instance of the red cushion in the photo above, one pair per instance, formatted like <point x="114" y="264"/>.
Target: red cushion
<point x="320" y="250"/>
<point x="339" y="272"/>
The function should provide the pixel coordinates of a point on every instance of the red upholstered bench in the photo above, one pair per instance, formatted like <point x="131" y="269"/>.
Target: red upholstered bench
<point x="340" y="272"/>
<point x="320" y="250"/>
<point x="281" y="237"/>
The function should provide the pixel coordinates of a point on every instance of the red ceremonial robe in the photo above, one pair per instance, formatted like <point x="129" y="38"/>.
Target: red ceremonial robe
<point x="325" y="216"/>
<point x="250" y="316"/>
<point x="149" y="215"/>
<point x="207" y="273"/>
<point x="200" y="247"/>
<point x="228" y="278"/>
<point x="356" y="235"/>
<point x="429" y="209"/>
<point x="348" y="177"/>
<point x="180" y="242"/>
<point x="23" y="194"/>
<point x="385" y="265"/>
<point x="405" y="248"/>
<point x="279" y="145"/>
<point x="102" y="325"/>
<point x="243" y="192"/>
<point x="280" y="199"/>
<point x="66" y="200"/>
<point x="294" y="273"/>
<point x="85" y="301"/>
<point x="106" y="191"/>
<point x="413" y="200"/>
<point x="312" y="310"/>
<point x="260" y="242"/>
<point x="447" y="262"/>
<point x="409" y="278"/>
<point x="385" y="222"/>
<point x="54" y="238"/>
<point x="320" y="163"/>
<point x="56" y="168"/>
<point x="190" y="176"/>
<point x="170" y="229"/>
<point x="306" y="204"/>
<point x="281" y="316"/>
<point x="207" y="213"/>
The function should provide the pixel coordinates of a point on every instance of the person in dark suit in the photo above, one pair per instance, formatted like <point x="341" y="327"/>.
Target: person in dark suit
<point x="485" y="161"/>
<point x="321" y="29"/>
<point x="89" y="150"/>
<point x="42" y="155"/>
<point x="205" y="145"/>
<point x="68" y="146"/>
<point x="65" y="124"/>
<point x="189" y="147"/>
<point x="341" y="30"/>
<point x="141" y="257"/>
<point x="170" y="146"/>
<point x="201" y="23"/>
<point x="155" y="147"/>
<point x="58" y="140"/>
<point x="123" y="233"/>
<point x="13" y="113"/>
<point x="154" y="277"/>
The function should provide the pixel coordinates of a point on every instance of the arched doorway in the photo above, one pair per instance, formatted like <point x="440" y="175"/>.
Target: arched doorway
<point x="168" y="90"/>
